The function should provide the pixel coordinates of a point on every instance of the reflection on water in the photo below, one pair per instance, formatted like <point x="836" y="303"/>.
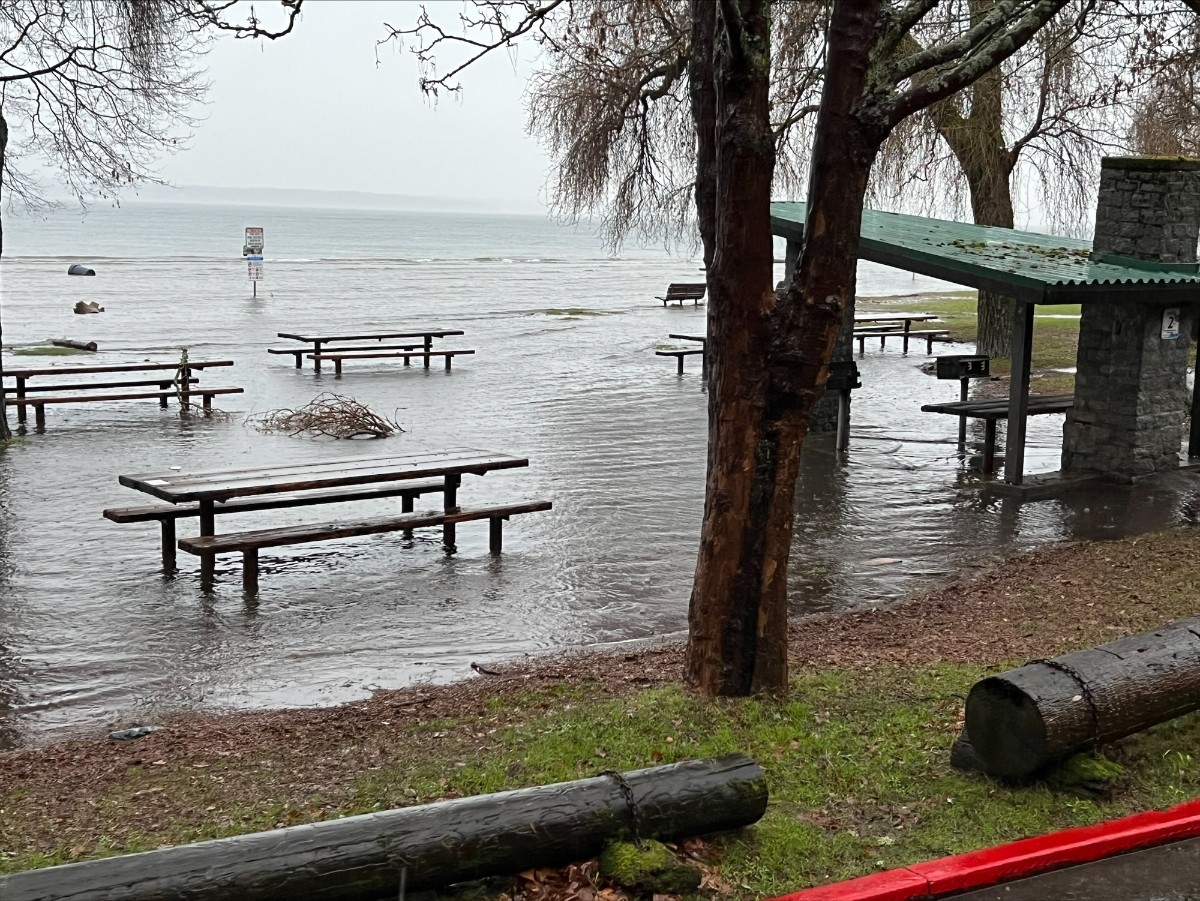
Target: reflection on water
<point x="92" y="633"/>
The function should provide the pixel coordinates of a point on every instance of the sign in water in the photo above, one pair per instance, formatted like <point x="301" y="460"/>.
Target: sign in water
<point x="254" y="241"/>
<point x="254" y="267"/>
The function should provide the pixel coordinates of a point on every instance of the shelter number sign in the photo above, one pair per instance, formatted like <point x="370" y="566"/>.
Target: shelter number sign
<point x="1170" y="324"/>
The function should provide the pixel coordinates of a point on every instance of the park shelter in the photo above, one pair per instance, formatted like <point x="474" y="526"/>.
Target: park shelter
<point x="1138" y="286"/>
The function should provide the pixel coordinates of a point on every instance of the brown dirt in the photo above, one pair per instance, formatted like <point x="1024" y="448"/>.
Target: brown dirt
<point x="298" y="761"/>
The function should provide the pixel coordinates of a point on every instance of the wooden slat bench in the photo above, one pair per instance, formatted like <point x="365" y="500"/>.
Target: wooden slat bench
<point x="681" y="291"/>
<point x="250" y="543"/>
<point x="338" y="357"/>
<point x="300" y="352"/>
<point x="39" y="403"/>
<point x="166" y="516"/>
<point x="995" y="409"/>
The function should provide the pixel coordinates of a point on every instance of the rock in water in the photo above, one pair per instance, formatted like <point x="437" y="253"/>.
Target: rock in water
<point x="88" y="307"/>
<point x="80" y="269"/>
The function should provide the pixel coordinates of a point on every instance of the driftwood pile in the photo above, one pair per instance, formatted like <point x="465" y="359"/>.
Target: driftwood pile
<point x="328" y="414"/>
<point x="1021" y="723"/>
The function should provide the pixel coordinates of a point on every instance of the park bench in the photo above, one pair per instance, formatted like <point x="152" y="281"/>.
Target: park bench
<point x="166" y="516"/>
<point x="175" y="382"/>
<point x="996" y="409"/>
<point x="250" y="543"/>
<point x="317" y="349"/>
<point x="681" y="291"/>
<point x="338" y="358"/>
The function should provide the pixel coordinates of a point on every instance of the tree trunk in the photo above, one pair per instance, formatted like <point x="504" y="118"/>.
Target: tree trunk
<point x="737" y="639"/>
<point x="978" y="144"/>
<point x="4" y="432"/>
<point x="1021" y="722"/>
<point x="362" y="857"/>
<point x="760" y="402"/>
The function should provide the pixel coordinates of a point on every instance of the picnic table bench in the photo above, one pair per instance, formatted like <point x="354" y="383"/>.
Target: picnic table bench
<point x="897" y="325"/>
<point x="995" y="409"/>
<point x="681" y="291"/>
<point x="415" y="348"/>
<point x="687" y="352"/>
<point x="180" y="383"/>
<point x="209" y="494"/>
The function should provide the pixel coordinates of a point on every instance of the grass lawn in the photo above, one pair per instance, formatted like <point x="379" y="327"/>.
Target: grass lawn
<point x="856" y="757"/>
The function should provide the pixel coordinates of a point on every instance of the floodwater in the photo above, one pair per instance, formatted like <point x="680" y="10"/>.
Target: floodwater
<point x="92" y="634"/>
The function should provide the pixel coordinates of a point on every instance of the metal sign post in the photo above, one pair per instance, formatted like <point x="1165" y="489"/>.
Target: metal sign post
<point x="252" y="250"/>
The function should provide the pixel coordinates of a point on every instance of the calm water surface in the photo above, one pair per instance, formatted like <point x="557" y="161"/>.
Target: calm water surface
<point x="92" y="633"/>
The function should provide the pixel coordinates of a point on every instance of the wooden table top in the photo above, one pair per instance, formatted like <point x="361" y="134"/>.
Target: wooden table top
<point x="997" y="407"/>
<point x="703" y="339"/>
<point x="377" y="336"/>
<point x="182" y="487"/>
<point x="882" y="316"/>
<point x="116" y="367"/>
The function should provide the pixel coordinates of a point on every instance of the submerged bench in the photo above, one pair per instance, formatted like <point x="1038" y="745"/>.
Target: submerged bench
<point x="679" y="355"/>
<point x="181" y="383"/>
<point x="250" y="543"/>
<point x="681" y="291"/>
<point x="300" y="352"/>
<point x="166" y="516"/>
<point x="996" y="409"/>
<point x="318" y="343"/>
<point x="339" y="357"/>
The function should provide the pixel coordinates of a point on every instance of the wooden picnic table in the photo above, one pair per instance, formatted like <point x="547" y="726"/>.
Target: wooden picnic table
<point x="211" y="488"/>
<point x="896" y="324"/>
<point x="994" y="409"/>
<point x="317" y="341"/>
<point x="180" y="383"/>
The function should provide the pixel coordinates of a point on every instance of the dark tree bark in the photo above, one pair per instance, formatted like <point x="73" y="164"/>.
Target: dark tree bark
<point x="977" y="142"/>
<point x="738" y="613"/>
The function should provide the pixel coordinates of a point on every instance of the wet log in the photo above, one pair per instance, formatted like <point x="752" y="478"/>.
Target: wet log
<point x="365" y="857"/>
<point x="78" y="345"/>
<point x="1024" y="721"/>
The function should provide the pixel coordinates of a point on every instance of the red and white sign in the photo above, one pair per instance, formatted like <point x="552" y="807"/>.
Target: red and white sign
<point x="254" y="241"/>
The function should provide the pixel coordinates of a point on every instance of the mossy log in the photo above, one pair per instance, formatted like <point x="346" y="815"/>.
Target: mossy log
<point x="364" y="857"/>
<point x="1021" y="722"/>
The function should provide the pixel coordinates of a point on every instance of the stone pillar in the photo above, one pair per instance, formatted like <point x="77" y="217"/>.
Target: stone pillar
<point x="1130" y="385"/>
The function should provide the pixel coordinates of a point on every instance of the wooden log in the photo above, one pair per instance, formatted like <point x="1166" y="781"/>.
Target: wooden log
<point x="1024" y="721"/>
<point x="78" y="345"/>
<point x="364" y="857"/>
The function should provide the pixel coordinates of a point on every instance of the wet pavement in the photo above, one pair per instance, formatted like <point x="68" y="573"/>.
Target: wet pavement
<point x="1165" y="873"/>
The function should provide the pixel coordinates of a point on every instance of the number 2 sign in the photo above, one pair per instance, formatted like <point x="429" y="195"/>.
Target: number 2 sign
<point x="1170" y="324"/>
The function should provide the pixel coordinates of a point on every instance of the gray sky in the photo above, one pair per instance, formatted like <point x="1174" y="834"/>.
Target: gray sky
<point x="313" y="110"/>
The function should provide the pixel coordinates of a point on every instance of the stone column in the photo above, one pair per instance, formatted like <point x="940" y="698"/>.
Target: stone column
<point x="1130" y="385"/>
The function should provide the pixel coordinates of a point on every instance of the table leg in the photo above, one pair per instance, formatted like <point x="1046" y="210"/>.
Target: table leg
<point x="168" y="543"/>
<point x="250" y="570"/>
<point x="163" y="386"/>
<point x="208" y="562"/>
<point x="299" y="359"/>
<point x="495" y="535"/>
<point x="962" y="420"/>
<point x="907" y="326"/>
<point x="316" y="356"/>
<point x="989" y="447"/>
<point x="843" y="420"/>
<point x="428" y="348"/>
<point x="450" y="505"/>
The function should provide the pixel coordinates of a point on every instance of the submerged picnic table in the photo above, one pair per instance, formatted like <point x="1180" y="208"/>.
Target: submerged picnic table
<point x="317" y="342"/>
<point x="175" y="379"/>
<point x="897" y="325"/>
<point x="994" y="409"/>
<point x="211" y="494"/>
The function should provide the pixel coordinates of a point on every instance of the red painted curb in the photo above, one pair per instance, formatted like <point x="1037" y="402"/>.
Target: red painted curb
<point x="1003" y="863"/>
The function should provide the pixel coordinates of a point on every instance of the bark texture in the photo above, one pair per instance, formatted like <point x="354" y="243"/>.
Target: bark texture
<point x="4" y="432"/>
<point x="1024" y="721"/>
<point x="737" y="639"/>
<point x="361" y="858"/>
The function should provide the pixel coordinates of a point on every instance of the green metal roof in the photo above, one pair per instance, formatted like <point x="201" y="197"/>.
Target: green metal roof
<point x="1027" y="265"/>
